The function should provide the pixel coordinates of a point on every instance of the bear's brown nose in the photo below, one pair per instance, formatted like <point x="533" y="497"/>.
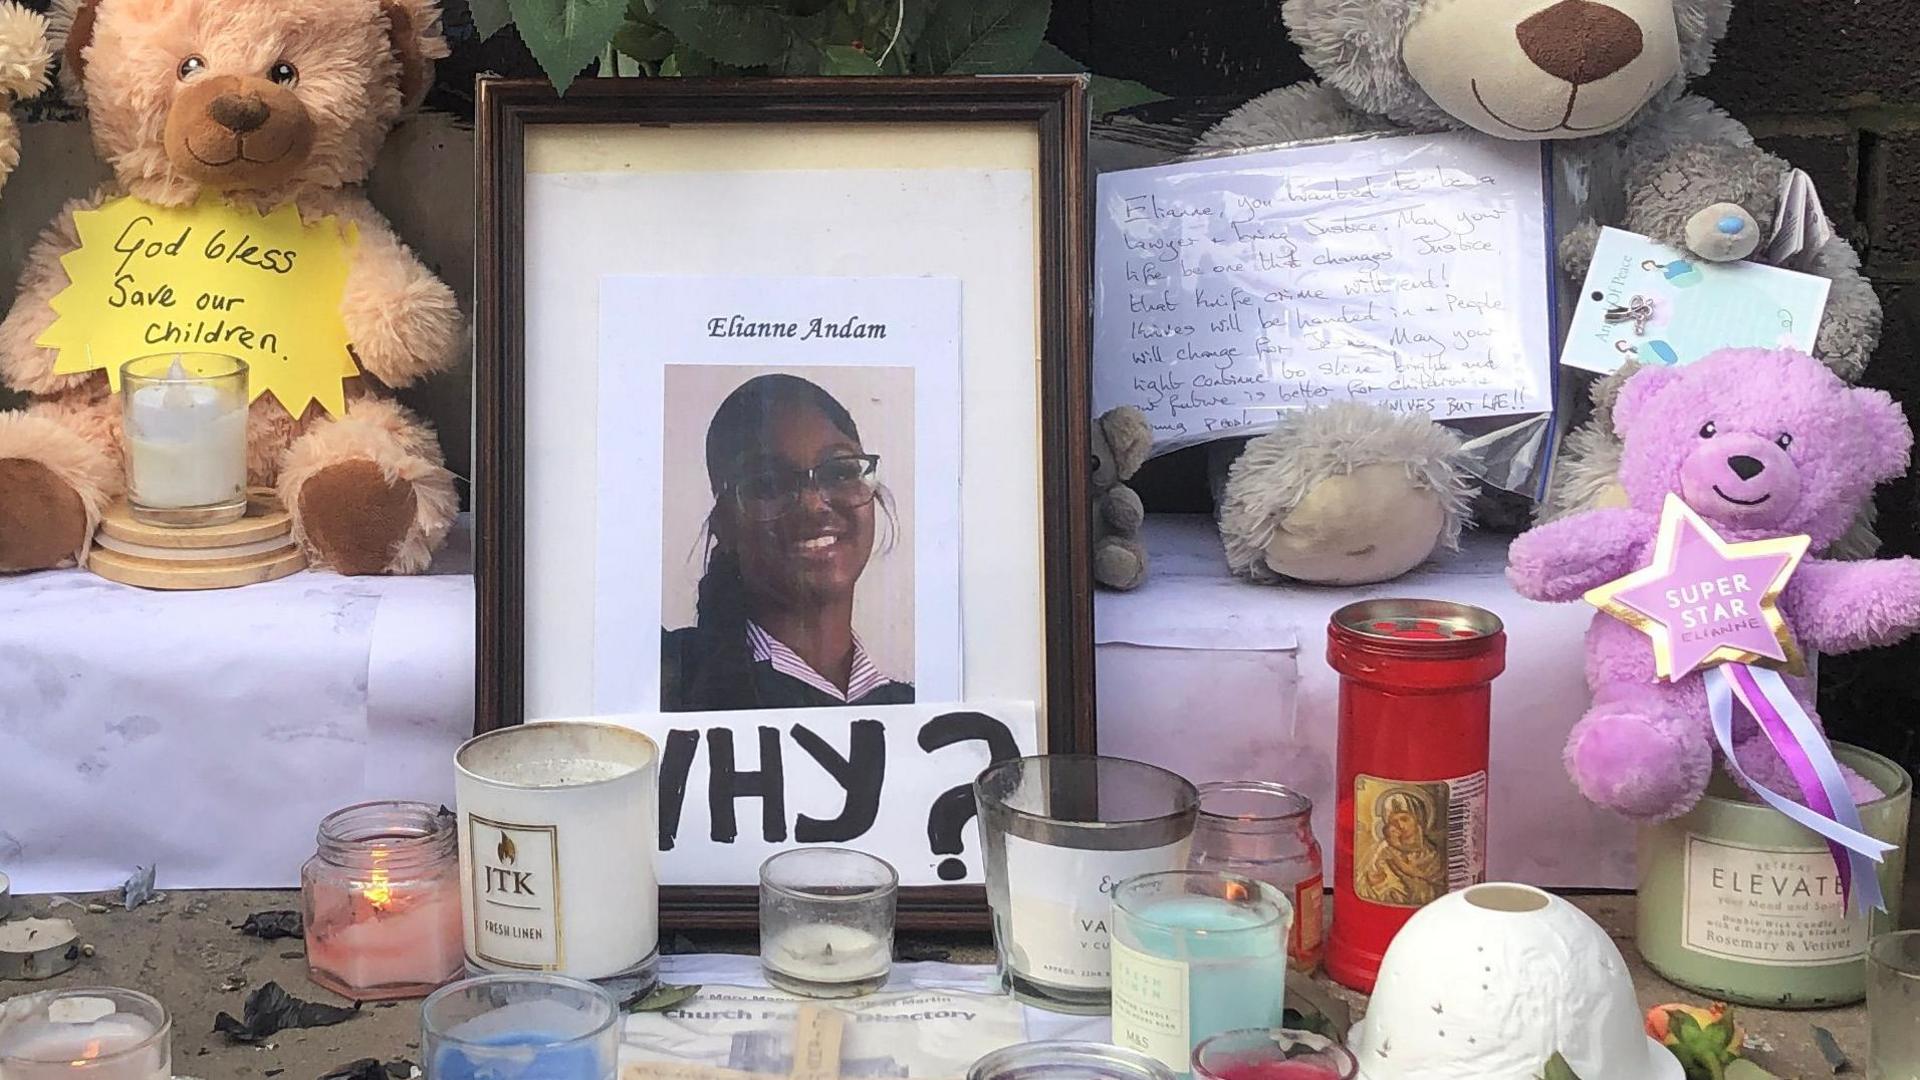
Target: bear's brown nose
<point x="1744" y="467"/>
<point x="1580" y="41"/>
<point x="239" y="113"/>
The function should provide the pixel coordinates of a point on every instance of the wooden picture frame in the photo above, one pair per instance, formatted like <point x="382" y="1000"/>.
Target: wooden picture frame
<point x="1032" y="124"/>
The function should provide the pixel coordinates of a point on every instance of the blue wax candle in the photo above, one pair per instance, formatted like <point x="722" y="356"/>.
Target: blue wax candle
<point x="522" y="1055"/>
<point x="1190" y="966"/>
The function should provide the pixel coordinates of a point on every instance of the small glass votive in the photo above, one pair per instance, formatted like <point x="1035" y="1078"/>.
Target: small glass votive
<point x="1196" y="953"/>
<point x="826" y="921"/>
<point x="1060" y="832"/>
<point x="1272" y="1054"/>
<point x="95" y="1032"/>
<point x="1265" y="831"/>
<point x="1893" y="1006"/>
<point x="521" y="1027"/>
<point x="1067" y="1061"/>
<point x="185" y="420"/>
<point x="381" y="899"/>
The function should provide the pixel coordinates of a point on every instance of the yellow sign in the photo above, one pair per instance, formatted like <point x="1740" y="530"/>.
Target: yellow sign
<point x="210" y="278"/>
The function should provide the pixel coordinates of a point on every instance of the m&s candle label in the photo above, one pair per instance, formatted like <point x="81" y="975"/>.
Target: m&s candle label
<point x="516" y="916"/>
<point x="1778" y="907"/>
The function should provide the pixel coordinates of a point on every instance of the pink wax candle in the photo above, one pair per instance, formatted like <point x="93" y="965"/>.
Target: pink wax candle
<point x="382" y="902"/>
<point x="1272" y="1054"/>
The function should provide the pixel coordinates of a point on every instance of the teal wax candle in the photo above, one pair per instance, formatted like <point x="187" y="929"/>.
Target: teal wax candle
<point x="1196" y="953"/>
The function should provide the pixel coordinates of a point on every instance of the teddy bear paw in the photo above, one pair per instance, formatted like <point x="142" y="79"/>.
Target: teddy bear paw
<point x="43" y="522"/>
<point x="354" y="517"/>
<point x="1119" y="564"/>
<point x="1723" y="232"/>
<point x="1622" y="758"/>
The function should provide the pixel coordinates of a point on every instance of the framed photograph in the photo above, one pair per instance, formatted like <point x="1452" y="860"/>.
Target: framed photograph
<point x="783" y="450"/>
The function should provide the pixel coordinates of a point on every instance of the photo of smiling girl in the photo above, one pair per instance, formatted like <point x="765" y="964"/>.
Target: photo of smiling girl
<point x="800" y="514"/>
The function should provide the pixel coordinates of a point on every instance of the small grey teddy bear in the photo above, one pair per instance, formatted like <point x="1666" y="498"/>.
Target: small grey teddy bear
<point x="1722" y="203"/>
<point x="1122" y="439"/>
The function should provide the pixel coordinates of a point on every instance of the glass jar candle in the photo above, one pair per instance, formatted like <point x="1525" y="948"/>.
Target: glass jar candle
<point x="1061" y="832"/>
<point x="1265" y="831"/>
<point x="1893" y="1007"/>
<point x="86" y="1033"/>
<point x="1272" y="1054"/>
<point x="521" y="1027"/>
<point x="1062" y="1060"/>
<point x="1196" y="953"/>
<point x="1410" y="814"/>
<point x="826" y="921"/>
<point x="381" y="899"/>
<point x="185" y="420"/>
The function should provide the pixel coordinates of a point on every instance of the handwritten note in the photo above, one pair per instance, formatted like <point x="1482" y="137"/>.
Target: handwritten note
<point x="1409" y="272"/>
<point x="210" y="278"/>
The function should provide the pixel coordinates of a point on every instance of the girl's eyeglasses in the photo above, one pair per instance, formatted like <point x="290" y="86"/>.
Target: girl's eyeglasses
<point x="848" y="482"/>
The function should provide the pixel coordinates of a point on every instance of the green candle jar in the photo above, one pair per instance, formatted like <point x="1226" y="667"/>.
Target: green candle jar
<point x="1740" y="903"/>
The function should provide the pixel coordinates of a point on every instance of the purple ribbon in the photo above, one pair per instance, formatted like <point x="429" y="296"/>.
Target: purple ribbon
<point x="1828" y="808"/>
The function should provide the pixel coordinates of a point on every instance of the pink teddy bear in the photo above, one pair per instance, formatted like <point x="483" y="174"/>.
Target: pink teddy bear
<point x="1761" y="444"/>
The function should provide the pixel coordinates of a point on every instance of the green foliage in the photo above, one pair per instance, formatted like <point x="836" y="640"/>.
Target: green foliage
<point x="797" y="37"/>
<point x="662" y="997"/>
<point x="567" y="35"/>
<point x="981" y="37"/>
<point x="1704" y="1051"/>
<point x="1558" y="1069"/>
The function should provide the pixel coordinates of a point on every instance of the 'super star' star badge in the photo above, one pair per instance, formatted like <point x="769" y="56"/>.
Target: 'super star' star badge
<point x="1705" y="601"/>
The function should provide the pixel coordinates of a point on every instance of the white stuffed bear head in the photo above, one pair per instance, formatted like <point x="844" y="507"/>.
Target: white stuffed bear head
<point x="1515" y="69"/>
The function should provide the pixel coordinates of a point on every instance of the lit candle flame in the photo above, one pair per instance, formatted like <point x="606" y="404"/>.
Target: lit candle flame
<point x="378" y="891"/>
<point x="91" y="1052"/>
<point x="1235" y="891"/>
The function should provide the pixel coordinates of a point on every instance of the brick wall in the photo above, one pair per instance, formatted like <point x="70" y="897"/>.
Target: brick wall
<point x="1831" y="85"/>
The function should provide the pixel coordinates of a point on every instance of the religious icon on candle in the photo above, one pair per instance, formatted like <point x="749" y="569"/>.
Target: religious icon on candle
<point x="96" y="1033"/>
<point x="382" y="902"/>
<point x="185" y="418"/>
<point x="1400" y="841"/>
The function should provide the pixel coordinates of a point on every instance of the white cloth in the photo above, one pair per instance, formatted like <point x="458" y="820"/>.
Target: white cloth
<point x="209" y="732"/>
<point x="1218" y="679"/>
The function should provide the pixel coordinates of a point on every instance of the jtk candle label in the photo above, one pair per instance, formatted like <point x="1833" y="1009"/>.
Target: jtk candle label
<point x="516" y="920"/>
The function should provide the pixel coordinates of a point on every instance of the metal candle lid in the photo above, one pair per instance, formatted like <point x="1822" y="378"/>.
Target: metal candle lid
<point x="1418" y="627"/>
<point x="1067" y="1061"/>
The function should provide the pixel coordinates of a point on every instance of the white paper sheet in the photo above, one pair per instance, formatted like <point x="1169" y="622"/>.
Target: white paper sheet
<point x="921" y="758"/>
<point x="210" y="732"/>
<point x="1410" y="272"/>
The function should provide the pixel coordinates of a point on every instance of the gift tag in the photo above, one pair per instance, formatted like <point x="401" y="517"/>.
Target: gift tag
<point x="1800" y="225"/>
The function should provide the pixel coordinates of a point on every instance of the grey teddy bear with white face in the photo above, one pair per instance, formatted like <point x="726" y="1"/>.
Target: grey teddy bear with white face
<point x="1607" y="81"/>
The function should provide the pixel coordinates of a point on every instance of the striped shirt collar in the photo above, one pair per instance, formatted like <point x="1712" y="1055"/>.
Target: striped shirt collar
<point x="864" y="679"/>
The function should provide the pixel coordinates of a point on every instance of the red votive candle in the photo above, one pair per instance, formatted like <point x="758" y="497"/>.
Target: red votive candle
<point x="1272" y="1054"/>
<point x="1410" y="820"/>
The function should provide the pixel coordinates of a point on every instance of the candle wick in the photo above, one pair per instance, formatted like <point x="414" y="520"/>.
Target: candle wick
<point x="828" y="951"/>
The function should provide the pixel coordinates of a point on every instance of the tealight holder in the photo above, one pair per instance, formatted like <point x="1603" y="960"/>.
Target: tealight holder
<point x="521" y="1027"/>
<point x="85" y="1033"/>
<point x="381" y="899"/>
<point x="826" y="921"/>
<point x="185" y="420"/>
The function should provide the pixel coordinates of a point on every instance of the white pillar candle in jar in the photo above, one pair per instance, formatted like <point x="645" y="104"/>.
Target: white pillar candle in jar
<point x="558" y="831"/>
<point x="185" y="419"/>
<point x="95" y="1033"/>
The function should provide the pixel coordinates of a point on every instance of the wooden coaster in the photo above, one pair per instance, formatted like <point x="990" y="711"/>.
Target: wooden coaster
<point x="266" y="520"/>
<point x="203" y="574"/>
<point x="256" y="548"/>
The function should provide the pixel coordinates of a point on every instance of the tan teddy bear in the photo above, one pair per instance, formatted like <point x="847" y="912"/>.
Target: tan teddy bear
<point x="24" y="59"/>
<point x="264" y="102"/>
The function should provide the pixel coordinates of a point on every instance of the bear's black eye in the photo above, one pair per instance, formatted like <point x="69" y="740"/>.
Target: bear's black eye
<point x="1784" y="441"/>
<point x="1708" y="431"/>
<point x="191" y="66"/>
<point x="283" y="73"/>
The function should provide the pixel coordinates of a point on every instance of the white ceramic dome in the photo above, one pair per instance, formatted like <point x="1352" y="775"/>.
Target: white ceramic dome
<point x="1488" y="983"/>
